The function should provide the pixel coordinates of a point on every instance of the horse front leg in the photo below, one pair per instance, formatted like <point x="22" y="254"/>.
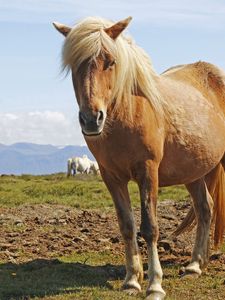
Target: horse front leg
<point x="148" y="186"/>
<point x="120" y="195"/>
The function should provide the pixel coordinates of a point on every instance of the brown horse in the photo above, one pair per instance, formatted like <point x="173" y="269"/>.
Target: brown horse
<point x="157" y="130"/>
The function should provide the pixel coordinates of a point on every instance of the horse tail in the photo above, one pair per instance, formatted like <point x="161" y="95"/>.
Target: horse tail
<point x="216" y="188"/>
<point x="215" y="182"/>
<point x="187" y="223"/>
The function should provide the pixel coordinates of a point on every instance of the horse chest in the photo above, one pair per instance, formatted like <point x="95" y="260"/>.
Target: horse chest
<point x="119" y="154"/>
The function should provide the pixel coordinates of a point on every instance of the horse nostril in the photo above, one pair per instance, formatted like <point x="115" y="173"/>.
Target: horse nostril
<point x="82" y="119"/>
<point x="100" y="117"/>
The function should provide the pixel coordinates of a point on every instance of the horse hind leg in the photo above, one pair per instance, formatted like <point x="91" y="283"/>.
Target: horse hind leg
<point x="203" y="207"/>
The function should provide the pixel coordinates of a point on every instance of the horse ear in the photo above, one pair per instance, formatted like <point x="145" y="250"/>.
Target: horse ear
<point x="63" y="29"/>
<point x="115" y="30"/>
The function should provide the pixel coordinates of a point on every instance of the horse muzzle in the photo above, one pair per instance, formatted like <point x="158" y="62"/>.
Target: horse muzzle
<point x="92" y="123"/>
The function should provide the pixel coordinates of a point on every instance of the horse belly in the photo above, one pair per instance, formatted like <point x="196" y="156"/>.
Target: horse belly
<point x="186" y="163"/>
<point x="195" y="142"/>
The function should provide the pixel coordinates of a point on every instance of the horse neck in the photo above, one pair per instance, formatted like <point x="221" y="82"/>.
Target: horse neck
<point x="136" y="113"/>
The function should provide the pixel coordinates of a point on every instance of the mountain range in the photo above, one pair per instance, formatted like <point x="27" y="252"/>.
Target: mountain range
<point x="36" y="159"/>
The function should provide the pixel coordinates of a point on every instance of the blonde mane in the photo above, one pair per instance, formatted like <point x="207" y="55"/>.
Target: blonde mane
<point x="133" y="70"/>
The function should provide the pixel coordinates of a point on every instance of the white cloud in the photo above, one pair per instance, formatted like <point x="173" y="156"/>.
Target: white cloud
<point x="11" y="117"/>
<point x="201" y="13"/>
<point x="43" y="127"/>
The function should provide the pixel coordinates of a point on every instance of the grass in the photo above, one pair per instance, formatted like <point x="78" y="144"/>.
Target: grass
<point x="83" y="192"/>
<point x="95" y="276"/>
<point x="90" y="275"/>
<point x="72" y="277"/>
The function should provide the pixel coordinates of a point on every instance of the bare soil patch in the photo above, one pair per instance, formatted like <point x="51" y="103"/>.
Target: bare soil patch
<point x="46" y="231"/>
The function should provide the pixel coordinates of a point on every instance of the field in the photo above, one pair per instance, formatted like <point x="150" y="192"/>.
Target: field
<point x="60" y="240"/>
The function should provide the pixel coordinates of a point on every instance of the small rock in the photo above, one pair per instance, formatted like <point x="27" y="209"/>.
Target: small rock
<point x="9" y="256"/>
<point x="216" y="256"/>
<point x="52" y="221"/>
<point x="4" y="246"/>
<point x="67" y="236"/>
<point x="162" y="235"/>
<point x="167" y="202"/>
<point x="166" y="244"/>
<point x="169" y="217"/>
<point x="100" y="240"/>
<point x="14" y="255"/>
<point x="36" y="250"/>
<point x="169" y="226"/>
<point x="62" y="221"/>
<point x="161" y="250"/>
<point x="184" y="205"/>
<point x="28" y="244"/>
<point x="55" y="231"/>
<point x="85" y="230"/>
<point x="53" y="238"/>
<point x="18" y="222"/>
<point x="168" y="259"/>
<point x="39" y="220"/>
<point x="78" y="239"/>
<point x="13" y="234"/>
<point x="114" y="239"/>
<point x="103" y="216"/>
<point x="67" y="244"/>
<point x="11" y="241"/>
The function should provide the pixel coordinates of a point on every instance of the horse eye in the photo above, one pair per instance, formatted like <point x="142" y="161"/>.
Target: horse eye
<point x="113" y="62"/>
<point x="109" y="64"/>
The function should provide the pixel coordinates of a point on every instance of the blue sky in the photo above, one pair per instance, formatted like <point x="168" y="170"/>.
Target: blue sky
<point x="37" y="103"/>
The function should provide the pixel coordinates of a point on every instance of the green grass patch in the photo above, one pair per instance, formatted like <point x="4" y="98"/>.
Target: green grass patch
<point x="82" y="191"/>
<point x="83" y="275"/>
<point x="96" y="275"/>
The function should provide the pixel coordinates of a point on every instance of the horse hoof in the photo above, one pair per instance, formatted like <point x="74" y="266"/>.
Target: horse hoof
<point x="188" y="274"/>
<point x="155" y="296"/>
<point x="131" y="287"/>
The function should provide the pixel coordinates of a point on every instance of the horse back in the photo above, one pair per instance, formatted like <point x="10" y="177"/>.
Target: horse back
<point x="205" y="77"/>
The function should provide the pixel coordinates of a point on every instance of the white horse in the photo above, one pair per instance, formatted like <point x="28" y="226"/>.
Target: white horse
<point x="71" y="166"/>
<point x="94" y="167"/>
<point x="81" y="165"/>
<point x="78" y="164"/>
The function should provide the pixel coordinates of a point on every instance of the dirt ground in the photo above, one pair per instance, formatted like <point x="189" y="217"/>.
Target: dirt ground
<point x="45" y="231"/>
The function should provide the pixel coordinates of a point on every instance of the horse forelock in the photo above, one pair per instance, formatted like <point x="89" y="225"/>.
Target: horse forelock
<point x="133" y="69"/>
<point x="86" y="42"/>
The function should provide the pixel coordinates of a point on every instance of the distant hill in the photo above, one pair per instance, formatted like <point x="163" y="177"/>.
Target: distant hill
<point x="28" y="158"/>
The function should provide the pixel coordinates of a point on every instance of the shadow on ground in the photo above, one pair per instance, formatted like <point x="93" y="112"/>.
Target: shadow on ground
<point x="52" y="277"/>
